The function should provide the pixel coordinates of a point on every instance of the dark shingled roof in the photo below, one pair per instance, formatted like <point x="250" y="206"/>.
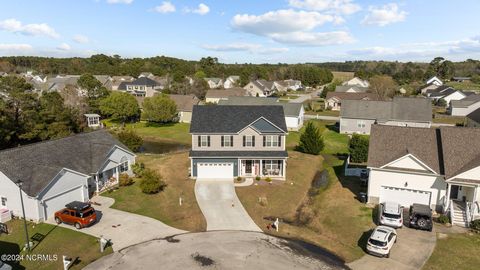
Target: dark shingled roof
<point x="256" y="154"/>
<point x="289" y="109"/>
<point x="475" y="115"/>
<point x="352" y="96"/>
<point x="37" y="164"/>
<point x="401" y="108"/>
<point x="232" y="119"/>
<point x="388" y="143"/>
<point x="447" y="150"/>
<point x="225" y="93"/>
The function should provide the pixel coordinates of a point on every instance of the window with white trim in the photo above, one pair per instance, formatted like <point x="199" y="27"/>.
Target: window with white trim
<point x="4" y="201"/>
<point x="93" y="121"/>
<point x="271" y="141"/>
<point x="360" y="124"/>
<point x="227" y="141"/>
<point x="123" y="167"/>
<point x="249" y="141"/>
<point x="204" y="141"/>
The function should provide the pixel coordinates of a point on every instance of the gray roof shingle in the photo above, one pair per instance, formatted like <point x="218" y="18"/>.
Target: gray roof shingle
<point x="36" y="164"/>
<point x="232" y="119"/>
<point x="256" y="154"/>
<point x="289" y="109"/>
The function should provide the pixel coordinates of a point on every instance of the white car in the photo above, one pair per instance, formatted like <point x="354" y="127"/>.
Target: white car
<point x="391" y="214"/>
<point x="381" y="241"/>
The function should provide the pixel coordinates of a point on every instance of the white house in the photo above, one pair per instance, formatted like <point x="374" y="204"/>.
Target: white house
<point x="214" y="83"/>
<point x="357" y="82"/>
<point x="464" y="106"/>
<point x="231" y="81"/>
<point x="260" y="88"/>
<point x="56" y="172"/>
<point x="448" y="94"/>
<point x="434" y="80"/>
<point x="436" y="167"/>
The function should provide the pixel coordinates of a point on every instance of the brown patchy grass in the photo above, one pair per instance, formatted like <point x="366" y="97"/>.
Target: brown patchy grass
<point x="457" y="251"/>
<point x="343" y="76"/>
<point x="340" y="220"/>
<point x="164" y="206"/>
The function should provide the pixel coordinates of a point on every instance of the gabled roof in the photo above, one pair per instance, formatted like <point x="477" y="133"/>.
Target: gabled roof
<point x="289" y="109"/>
<point x="461" y="149"/>
<point x="352" y="96"/>
<point x="215" y="80"/>
<point x="37" y="164"/>
<point x="184" y="103"/>
<point x="345" y="88"/>
<point x="439" y="89"/>
<point x="232" y="119"/>
<point x="400" y="108"/>
<point x="143" y="81"/>
<point x="224" y="93"/>
<point x="475" y="115"/>
<point x="466" y="101"/>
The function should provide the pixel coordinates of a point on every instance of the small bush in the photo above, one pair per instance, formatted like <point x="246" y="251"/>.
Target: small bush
<point x="239" y="178"/>
<point x="151" y="182"/>
<point x="268" y="179"/>
<point x="475" y="225"/>
<point x="359" y="148"/>
<point x="125" y="180"/>
<point x="138" y="169"/>
<point x="304" y="215"/>
<point x="443" y="219"/>
<point x="258" y="178"/>
<point x="131" y="139"/>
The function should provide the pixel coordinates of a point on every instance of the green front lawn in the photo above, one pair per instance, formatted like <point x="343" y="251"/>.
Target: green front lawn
<point x="334" y="141"/>
<point x="57" y="241"/>
<point x="464" y="85"/>
<point x="164" y="206"/>
<point x="456" y="251"/>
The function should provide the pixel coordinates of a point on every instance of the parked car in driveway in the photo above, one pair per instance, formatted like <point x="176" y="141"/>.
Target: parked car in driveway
<point x="421" y="217"/>
<point x="381" y="241"/>
<point x="391" y="214"/>
<point x="78" y="214"/>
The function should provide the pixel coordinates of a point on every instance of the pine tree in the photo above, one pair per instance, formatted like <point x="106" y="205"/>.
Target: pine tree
<point x="311" y="141"/>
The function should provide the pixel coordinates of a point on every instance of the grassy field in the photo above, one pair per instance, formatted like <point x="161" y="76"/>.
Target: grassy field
<point x="175" y="132"/>
<point x="334" y="142"/>
<point x="164" y="206"/>
<point x="58" y="241"/>
<point x="449" y="120"/>
<point x="457" y="251"/>
<point x="464" y="85"/>
<point x="343" y="76"/>
<point x="338" y="219"/>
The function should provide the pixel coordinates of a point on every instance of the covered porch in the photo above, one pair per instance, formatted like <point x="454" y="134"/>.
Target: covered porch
<point x="465" y="195"/>
<point x="274" y="168"/>
<point x="108" y="178"/>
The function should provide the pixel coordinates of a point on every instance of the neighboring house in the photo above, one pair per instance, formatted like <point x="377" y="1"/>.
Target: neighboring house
<point x="231" y="81"/>
<point x="350" y="89"/>
<point x="357" y="116"/>
<point x="185" y="105"/>
<point x="428" y="87"/>
<point x="143" y="87"/>
<point x="117" y="80"/>
<point x="464" y="106"/>
<point x="294" y="112"/>
<point x="461" y="79"/>
<point x="232" y="141"/>
<point x="473" y="119"/>
<point x="214" y="95"/>
<point x="60" y="171"/>
<point x="436" y="167"/>
<point x="146" y="75"/>
<point x="93" y="120"/>
<point x="434" y="80"/>
<point x="357" y="82"/>
<point x="333" y="100"/>
<point x="288" y="85"/>
<point x="448" y="95"/>
<point x="214" y="83"/>
<point x="260" y="88"/>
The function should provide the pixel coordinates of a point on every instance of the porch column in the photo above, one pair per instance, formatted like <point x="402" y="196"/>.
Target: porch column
<point x="284" y="165"/>
<point x="475" y="192"/>
<point x="447" y="196"/>
<point x="95" y="177"/>
<point x="261" y="168"/>
<point x="117" y="173"/>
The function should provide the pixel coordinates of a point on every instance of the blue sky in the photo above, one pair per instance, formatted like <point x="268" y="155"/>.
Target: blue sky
<point x="256" y="31"/>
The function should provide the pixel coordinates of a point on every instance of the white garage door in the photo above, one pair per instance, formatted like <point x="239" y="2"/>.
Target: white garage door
<point x="214" y="170"/>
<point x="58" y="202"/>
<point x="403" y="196"/>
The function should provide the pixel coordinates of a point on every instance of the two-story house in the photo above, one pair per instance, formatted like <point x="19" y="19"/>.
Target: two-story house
<point x="141" y="87"/>
<point x="231" y="141"/>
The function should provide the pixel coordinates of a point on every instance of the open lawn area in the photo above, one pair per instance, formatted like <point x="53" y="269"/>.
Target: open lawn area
<point x="334" y="141"/>
<point x="456" y="251"/>
<point x="174" y="132"/>
<point x="56" y="241"/>
<point x="449" y="120"/>
<point x="164" y="206"/>
<point x="464" y="85"/>
<point x="342" y="76"/>
<point x="337" y="220"/>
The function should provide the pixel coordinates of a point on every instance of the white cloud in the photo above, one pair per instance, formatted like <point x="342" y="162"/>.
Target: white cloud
<point x="165" y="7"/>
<point x="292" y="27"/>
<point x="332" y="6"/>
<point x="202" y="9"/>
<point x="384" y="15"/>
<point x="34" y="29"/>
<point x="64" y="47"/>
<point x="245" y="47"/>
<point x="119" y="1"/>
<point x="81" y="39"/>
<point x="15" y="47"/>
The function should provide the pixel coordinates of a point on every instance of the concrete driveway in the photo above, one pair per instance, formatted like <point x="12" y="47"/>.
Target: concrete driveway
<point x="221" y="207"/>
<point x="218" y="250"/>
<point x="122" y="228"/>
<point x="412" y="250"/>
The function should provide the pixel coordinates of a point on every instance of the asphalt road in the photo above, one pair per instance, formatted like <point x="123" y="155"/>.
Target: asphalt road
<point x="218" y="250"/>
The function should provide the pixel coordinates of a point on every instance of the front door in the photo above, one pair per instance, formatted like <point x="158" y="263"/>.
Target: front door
<point x="454" y="192"/>
<point x="248" y="167"/>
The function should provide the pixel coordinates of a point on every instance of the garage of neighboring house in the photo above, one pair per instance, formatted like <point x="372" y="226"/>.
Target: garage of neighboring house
<point x="404" y="196"/>
<point x="210" y="170"/>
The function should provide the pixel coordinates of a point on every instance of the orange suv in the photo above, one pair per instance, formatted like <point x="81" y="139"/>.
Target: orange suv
<point x="78" y="214"/>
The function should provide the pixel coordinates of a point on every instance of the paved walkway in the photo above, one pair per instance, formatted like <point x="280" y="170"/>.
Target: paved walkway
<point x="221" y="207"/>
<point x="248" y="182"/>
<point x="123" y="228"/>
<point x="411" y="252"/>
<point x="217" y="250"/>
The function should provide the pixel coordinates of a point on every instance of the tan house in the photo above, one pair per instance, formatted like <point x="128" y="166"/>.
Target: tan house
<point x="215" y="95"/>
<point x="333" y="101"/>
<point x="185" y="105"/>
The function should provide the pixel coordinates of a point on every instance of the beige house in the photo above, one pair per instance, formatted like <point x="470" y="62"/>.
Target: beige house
<point x="215" y="95"/>
<point x="185" y="105"/>
<point x="260" y="88"/>
<point x="333" y="101"/>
